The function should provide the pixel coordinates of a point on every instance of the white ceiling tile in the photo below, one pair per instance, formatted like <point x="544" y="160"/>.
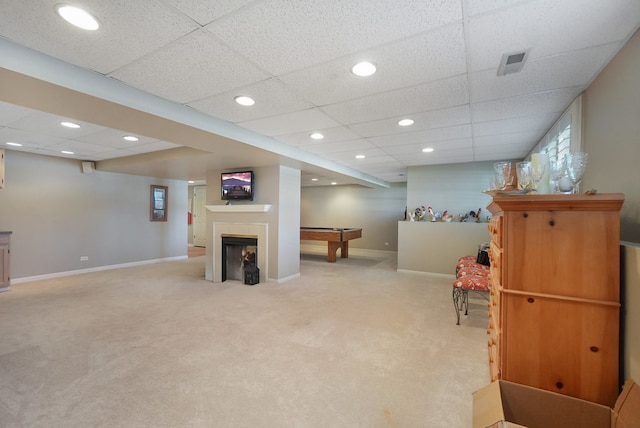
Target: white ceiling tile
<point x="290" y="123"/>
<point x="113" y="138"/>
<point x="10" y="113"/>
<point x="79" y="148"/>
<point x="271" y="97"/>
<point x="445" y="117"/>
<point x="339" y="147"/>
<point x="450" y="156"/>
<point x="49" y="124"/>
<point x="152" y="147"/>
<point x="536" y="24"/>
<point x="424" y="58"/>
<point x="128" y="30"/>
<point x="475" y="7"/>
<point x="325" y="30"/>
<point x="441" y="94"/>
<point x="194" y="67"/>
<point x="112" y="154"/>
<point x="54" y="151"/>
<point x="524" y="105"/>
<point x="204" y="12"/>
<point x="27" y="138"/>
<point x="535" y="122"/>
<point x="572" y="69"/>
<point x="516" y="139"/>
<point x="500" y="153"/>
<point x="416" y="148"/>
<point x="331" y="135"/>
<point x="375" y="161"/>
<point x="587" y="25"/>
<point x="422" y="137"/>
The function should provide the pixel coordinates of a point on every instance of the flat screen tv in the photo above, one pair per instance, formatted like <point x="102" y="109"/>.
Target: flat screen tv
<point x="237" y="185"/>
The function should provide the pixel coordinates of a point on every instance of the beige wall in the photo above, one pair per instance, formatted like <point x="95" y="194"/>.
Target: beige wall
<point x="456" y="188"/>
<point x="376" y="211"/>
<point x="630" y="313"/>
<point x="436" y="247"/>
<point x="611" y="134"/>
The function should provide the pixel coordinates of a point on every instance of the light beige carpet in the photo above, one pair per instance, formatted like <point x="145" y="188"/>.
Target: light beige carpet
<point x="348" y="344"/>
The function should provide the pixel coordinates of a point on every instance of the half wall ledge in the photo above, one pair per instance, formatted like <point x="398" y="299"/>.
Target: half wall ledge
<point x="257" y="208"/>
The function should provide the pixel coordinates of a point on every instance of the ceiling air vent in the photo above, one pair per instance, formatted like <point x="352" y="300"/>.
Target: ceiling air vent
<point x="512" y="63"/>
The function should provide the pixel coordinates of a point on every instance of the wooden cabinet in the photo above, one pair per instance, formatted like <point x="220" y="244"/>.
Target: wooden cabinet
<point x="555" y="293"/>
<point x="5" y="278"/>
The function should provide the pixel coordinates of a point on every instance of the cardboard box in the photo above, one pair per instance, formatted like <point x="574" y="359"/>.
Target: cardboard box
<point x="503" y="404"/>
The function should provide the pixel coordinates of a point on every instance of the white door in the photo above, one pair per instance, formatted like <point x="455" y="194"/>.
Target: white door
<point x="199" y="216"/>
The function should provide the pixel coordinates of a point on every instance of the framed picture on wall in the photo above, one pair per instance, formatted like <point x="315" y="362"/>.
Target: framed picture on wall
<point x="158" y="203"/>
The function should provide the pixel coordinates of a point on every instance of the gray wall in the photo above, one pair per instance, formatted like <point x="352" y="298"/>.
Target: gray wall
<point x="289" y="223"/>
<point x="58" y="214"/>
<point x="456" y="188"/>
<point x="611" y="134"/>
<point x="376" y="211"/>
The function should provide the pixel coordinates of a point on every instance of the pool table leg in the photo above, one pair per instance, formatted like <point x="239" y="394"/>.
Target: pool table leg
<point x="344" y="250"/>
<point x="333" y="248"/>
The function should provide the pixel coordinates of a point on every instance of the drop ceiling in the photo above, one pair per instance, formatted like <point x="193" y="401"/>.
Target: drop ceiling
<point x="172" y="69"/>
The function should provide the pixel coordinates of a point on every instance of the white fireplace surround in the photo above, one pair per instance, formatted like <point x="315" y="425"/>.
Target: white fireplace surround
<point x="258" y="231"/>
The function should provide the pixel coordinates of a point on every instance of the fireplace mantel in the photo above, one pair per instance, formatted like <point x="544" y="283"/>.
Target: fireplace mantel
<point x="257" y="208"/>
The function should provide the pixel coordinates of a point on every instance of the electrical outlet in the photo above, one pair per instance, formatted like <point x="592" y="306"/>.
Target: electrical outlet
<point x="386" y="244"/>
<point x="84" y="258"/>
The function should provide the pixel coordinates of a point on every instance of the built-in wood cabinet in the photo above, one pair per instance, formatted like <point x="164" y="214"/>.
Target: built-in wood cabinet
<point x="5" y="276"/>
<point x="555" y="293"/>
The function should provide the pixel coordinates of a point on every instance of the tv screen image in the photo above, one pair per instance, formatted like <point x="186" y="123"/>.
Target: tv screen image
<point x="237" y="185"/>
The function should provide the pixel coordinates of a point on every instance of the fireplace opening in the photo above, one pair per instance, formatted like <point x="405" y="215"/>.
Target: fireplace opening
<point x="240" y="259"/>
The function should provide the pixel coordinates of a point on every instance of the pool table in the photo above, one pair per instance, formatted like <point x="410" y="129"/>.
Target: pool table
<point x="335" y="237"/>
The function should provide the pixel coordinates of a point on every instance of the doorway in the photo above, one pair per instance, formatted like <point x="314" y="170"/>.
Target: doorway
<point x="199" y="213"/>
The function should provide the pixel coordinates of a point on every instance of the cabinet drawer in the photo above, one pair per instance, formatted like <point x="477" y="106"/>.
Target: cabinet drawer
<point x="495" y="228"/>
<point x="4" y="240"/>
<point x="495" y="260"/>
<point x="563" y="253"/>
<point x="564" y="346"/>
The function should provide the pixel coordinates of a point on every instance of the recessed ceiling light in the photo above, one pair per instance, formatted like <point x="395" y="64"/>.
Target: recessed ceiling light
<point x="130" y="138"/>
<point x="427" y="150"/>
<point x="78" y="17"/>
<point x="333" y="183"/>
<point x="314" y="179"/>
<point x="363" y="69"/>
<point x="67" y="152"/>
<point x="316" y="136"/>
<point x="9" y="143"/>
<point x="191" y="181"/>
<point x="360" y="156"/>
<point x="244" y="100"/>
<point x="70" y="125"/>
<point x="405" y="122"/>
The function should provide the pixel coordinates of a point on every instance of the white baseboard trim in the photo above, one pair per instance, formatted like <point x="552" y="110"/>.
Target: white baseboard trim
<point x="94" y="269"/>
<point x="288" y="278"/>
